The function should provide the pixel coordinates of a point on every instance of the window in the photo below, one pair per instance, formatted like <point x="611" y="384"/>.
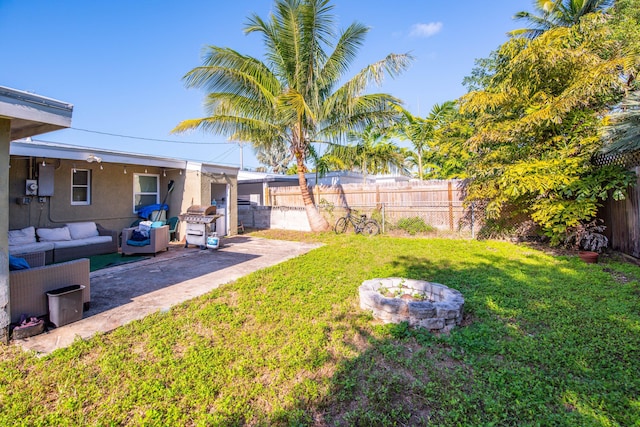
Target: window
<point x="80" y="187"/>
<point x="145" y="190"/>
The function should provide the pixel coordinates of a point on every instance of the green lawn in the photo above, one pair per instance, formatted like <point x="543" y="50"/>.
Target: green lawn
<point x="547" y="341"/>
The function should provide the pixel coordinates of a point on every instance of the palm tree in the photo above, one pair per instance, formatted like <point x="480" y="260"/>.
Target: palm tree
<point x="321" y="165"/>
<point x="275" y="157"/>
<point x="294" y="95"/>
<point x="422" y="132"/>
<point x="622" y="135"/>
<point x="370" y="152"/>
<point x="557" y="13"/>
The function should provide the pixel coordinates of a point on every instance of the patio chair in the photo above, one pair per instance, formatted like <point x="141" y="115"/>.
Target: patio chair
<point x="173" y="224"/>
<point x="158" y="241"/>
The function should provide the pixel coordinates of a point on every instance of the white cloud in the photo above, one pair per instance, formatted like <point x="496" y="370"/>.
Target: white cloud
<point x="425" y="30"/>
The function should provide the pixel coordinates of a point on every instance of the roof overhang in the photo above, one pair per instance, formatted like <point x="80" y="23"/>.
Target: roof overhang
<point x="52" y="150"/>
<point x="250" y="177"/>
<point x="32" y="114"/>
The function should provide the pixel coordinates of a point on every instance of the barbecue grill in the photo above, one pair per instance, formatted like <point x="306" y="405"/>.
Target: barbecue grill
<point x="198" y="219"/>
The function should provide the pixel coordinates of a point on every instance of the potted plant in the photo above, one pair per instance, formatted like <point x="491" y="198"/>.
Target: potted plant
<point x="589" y="240"/>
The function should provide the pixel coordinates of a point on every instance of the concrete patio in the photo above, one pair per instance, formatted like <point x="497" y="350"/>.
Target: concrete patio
<point x="128" y="292"/>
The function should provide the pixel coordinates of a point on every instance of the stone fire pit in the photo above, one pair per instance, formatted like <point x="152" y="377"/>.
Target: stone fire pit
<point x="420" y="303"/>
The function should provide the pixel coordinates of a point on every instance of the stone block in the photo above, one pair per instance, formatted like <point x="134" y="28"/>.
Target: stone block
<point x="433" y="323"/>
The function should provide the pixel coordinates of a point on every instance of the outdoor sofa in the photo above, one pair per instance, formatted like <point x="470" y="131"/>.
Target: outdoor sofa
<point x="71" y="241"/>
<point x="28" y="287"/>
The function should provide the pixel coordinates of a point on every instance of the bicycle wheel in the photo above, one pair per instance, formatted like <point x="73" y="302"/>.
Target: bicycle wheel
<point x="341" y="225"/>
<point x="370" y="228"/>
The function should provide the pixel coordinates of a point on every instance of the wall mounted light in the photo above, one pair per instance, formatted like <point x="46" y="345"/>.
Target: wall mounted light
<point x="180" y="171"/>
<point x="43" y="163"/>
<point x="164" y="172"/>
<point x="74" y="168"/>
<point x="125" y="170"/>
<point x="93" y="158"/>
<point x="145" y="170"/>
<point x="101" y="168"/>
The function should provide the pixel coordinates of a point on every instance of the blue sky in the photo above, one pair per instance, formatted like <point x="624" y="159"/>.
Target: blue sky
<point x="121" y="63"/>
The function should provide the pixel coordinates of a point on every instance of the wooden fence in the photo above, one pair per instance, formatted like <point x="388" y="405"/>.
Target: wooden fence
<point x="622" y="218"/>
<point x="438" y="202"/>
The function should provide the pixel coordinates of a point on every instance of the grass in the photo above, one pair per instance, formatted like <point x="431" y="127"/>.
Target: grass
<point x="547" y="340"/>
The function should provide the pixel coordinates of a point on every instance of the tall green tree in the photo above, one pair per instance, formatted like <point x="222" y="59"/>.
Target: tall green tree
<point x="622" y="131"/>
<point x="537" y="125"/>
<point x="370" y="151"/>
<point x="424" y="133"/>
<point x="449" y="156"/>
<point x="300" y="93"/>
<point x="321" y="165"/>
<point x="622" y="134"/>
<point x="275" y="157"/>
<point x="557" y="13"/>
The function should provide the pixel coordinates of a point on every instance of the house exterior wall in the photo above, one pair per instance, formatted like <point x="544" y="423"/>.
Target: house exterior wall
<point x="251" y="192"/>
<point x="230" y="183"/>
<point x="194" y="188"/>
<point x="111" y="194"/>
<point x="254" y="192"/>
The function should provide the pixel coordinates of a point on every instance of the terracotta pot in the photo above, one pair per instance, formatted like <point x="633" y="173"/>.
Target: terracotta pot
<point x="588" y="256"/>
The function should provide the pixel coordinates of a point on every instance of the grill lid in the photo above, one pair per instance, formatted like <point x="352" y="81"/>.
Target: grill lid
<point x="201" y="210"/>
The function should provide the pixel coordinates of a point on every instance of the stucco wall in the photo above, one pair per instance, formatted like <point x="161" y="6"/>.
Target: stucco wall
<point x="278" y="217"/>
<point x="111" y="194"/>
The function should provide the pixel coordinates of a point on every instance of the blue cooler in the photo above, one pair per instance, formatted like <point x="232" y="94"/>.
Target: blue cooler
<point x="213" y="241"/>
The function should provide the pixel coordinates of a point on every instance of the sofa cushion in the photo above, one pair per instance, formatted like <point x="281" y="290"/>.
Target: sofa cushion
<point x="132" y="242"/>
<point x="17" y="263"/>
<point x="31" y="247"/>
<point x="53" y="234"/>
<point x="82" y="242"/>
<point x="82" y="230"/>
<point x="22" y="237"/>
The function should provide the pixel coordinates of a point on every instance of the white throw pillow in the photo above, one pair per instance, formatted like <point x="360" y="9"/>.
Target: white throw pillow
<point x="53" y="234"/>
<point x="82" y="230"/>
<point x="24" y="236"/>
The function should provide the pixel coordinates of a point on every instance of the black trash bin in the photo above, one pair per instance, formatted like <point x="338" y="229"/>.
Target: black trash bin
<point x="65" y="305"/>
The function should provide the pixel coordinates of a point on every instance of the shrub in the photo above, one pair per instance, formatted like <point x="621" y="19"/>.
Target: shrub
<point x="414" y="225"/>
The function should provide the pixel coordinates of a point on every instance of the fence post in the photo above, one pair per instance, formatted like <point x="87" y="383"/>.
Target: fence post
<point x="473" y="220"/>
<point x="450" y="197"/>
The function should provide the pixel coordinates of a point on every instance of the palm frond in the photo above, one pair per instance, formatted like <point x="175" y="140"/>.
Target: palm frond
<point x="342" y="56"/>
<point x="622" y="135"/>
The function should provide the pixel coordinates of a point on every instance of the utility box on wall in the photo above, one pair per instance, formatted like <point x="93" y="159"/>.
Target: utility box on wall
<point x="31" y="187"/>
<point x="45" y="180"/>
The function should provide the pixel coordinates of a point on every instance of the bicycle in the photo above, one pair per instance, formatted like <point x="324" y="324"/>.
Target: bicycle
<point x="361" y="224"/>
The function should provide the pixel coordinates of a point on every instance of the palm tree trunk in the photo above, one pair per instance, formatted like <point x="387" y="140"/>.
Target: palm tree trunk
<point x="316" y="220"/>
